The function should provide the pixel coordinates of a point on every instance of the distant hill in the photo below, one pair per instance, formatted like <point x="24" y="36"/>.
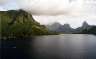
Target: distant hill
<point x="54" y="27"/>
<point x="57" y="27"/>
<point x="18" y="23"/>
<point x="66" y="28"/>
<point x="91" y="30"/>
<point x="84" y="26"/>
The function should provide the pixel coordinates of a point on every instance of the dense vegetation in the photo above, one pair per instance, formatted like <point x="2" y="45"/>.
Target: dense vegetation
<point x="91" y="30"/>
<point x="20" y="24"/>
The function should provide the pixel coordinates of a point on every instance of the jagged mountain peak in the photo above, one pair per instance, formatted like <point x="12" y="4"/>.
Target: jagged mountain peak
<point x="85" y="25"/>
<point x="66" y="28"/>
<point x="66" y="25"/>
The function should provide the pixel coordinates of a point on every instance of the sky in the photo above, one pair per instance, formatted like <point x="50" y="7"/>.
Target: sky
<point x="73" y="12"/>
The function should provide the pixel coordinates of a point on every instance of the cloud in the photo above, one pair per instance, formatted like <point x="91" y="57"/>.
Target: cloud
<point x="2" y="9"/>
<point x="58" y="7"/>
<point x="3" y="1"/>
<point x="48" y="7"/>
<point x="9" y="5"/>
<point x="73" y="12"/>
<point x="73" y="21"/>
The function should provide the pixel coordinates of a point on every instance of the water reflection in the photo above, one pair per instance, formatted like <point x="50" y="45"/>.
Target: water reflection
<point x="67" y="46"/>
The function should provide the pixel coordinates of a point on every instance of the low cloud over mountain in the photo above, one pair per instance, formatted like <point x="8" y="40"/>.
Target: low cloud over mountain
<point x="73" y="12"/>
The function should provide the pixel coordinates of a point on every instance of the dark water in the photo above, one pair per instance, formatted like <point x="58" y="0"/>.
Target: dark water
<point x="67" y="46"/>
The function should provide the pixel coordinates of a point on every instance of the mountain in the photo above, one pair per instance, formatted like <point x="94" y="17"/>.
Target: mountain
<point x="66" y="28"/>
<point x="57" y="27"/>
<point x="18" y="23"/>
<point x="84" y="26"/>
<point x="92" y="30"/>
<point x="54" y="27"/>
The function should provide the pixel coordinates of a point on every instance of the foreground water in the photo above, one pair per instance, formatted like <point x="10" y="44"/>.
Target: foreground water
<point x="67" y="46"/>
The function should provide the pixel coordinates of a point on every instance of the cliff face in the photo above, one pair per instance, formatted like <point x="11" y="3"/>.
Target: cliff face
<point x="19" y="23"/>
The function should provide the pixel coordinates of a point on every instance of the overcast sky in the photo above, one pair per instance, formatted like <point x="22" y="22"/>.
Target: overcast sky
<point x="73" y="12"/>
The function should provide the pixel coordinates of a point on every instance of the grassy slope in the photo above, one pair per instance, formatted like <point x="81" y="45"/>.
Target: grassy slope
<point x="24" y="25"/>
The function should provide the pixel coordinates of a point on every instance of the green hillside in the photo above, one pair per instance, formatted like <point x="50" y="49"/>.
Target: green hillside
<point x="19" y="24"/>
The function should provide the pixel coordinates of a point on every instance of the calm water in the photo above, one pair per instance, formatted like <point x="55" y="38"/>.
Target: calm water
<point x="67" y="46"/>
